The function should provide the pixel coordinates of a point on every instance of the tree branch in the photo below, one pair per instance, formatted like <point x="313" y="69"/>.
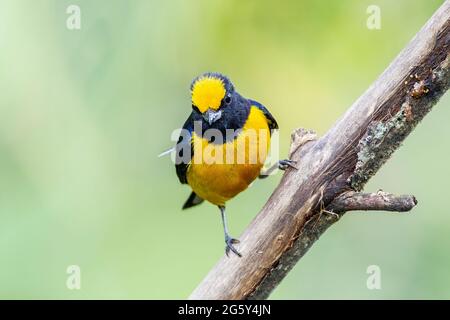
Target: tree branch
<point x="381" y="201"/>
<point x="342" y="161"/>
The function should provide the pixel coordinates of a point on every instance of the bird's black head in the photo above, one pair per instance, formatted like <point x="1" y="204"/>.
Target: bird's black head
<point x="210" y="93"/>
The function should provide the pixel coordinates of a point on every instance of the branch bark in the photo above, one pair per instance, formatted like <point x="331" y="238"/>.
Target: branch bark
<point x="335" y="166"/>
<point x="381" y="201"/>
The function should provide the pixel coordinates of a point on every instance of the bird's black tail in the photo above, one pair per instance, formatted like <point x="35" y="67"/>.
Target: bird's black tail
<point x="192" y="201"/>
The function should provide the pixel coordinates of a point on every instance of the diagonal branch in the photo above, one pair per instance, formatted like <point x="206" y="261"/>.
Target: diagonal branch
<point x="342" y="161"/>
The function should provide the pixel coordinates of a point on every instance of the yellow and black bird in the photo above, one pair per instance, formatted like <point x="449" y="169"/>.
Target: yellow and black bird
<point x="232" y="154"/>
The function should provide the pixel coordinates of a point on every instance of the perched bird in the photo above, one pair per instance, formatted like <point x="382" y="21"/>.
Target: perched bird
<point x="223" y="145"/>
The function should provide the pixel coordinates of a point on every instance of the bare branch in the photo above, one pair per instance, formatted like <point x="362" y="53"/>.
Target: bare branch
<point x="381" y="201"/>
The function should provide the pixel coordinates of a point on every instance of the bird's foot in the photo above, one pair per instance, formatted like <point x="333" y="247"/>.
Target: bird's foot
<point x="229" y="242"/>
<point x="331" y="213"/>
<point x="286" y="163"/>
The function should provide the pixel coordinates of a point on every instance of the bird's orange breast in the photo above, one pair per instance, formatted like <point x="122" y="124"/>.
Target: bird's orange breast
<point x="219" y="171"/>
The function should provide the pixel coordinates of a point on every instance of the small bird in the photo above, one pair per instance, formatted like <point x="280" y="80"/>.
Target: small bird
<point x="223" y="145"/>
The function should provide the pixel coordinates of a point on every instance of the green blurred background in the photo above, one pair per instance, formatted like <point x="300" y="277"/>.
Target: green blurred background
<point x="84" y="113"/>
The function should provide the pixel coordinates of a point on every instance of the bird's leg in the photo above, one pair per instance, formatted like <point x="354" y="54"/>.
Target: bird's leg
<point x="228" y="239"/>
<point x="281" y="164"/>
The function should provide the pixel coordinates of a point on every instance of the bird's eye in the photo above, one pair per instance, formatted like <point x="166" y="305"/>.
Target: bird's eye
<point x="227" y="100"/>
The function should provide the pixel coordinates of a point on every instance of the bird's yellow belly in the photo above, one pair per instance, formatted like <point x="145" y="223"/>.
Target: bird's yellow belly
<point x="218" y="172"/>
<point x="219" y="183"/>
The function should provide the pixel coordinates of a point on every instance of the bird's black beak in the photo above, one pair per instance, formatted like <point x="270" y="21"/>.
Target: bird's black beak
<point x="212" y="116"/>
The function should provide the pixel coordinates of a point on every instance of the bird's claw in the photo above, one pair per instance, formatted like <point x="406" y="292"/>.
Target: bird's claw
<point x="286" y="163"/>
<point x="229" y="242"/>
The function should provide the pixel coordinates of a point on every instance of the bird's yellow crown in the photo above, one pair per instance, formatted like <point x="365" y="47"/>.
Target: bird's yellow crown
<point x="208" y="92"/>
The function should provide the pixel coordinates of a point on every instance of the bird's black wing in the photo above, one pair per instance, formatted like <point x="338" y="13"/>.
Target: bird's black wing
<point x="270" y="119"/>
<point x="184" y="151"/>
